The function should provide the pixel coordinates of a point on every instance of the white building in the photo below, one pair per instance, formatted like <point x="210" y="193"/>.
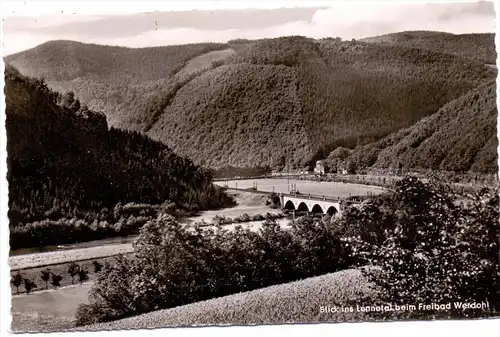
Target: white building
<point x="320" y="167"/>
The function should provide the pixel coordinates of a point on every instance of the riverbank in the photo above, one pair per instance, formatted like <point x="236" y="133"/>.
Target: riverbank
<point x="26" y="261"/>
<point x="247" y="203"/>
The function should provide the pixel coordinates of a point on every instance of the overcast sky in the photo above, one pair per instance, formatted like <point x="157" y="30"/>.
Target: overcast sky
<point x="354" y="19"/>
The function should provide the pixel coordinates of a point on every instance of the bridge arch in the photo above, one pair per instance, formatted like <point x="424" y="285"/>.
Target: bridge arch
<point x="303" y="207"/>
<point x="317" y="209"/>
<point x="289" y="205"/>
<point x="332" y="210"/>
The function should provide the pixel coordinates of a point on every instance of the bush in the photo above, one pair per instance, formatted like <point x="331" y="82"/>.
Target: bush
<point x="17" y="281"/>
<point x="111" y="296"/>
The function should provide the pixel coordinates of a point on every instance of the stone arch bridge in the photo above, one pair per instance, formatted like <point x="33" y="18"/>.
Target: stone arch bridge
<point x="309" y="203"/>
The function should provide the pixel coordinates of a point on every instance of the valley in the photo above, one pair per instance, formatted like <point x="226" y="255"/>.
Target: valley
<point x="115" y="153"/>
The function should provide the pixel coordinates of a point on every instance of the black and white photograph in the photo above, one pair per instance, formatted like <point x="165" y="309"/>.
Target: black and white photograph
<point x="251" y="166"/>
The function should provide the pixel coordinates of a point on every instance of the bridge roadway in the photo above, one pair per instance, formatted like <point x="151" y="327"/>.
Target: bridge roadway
<point x="306" y="202"/>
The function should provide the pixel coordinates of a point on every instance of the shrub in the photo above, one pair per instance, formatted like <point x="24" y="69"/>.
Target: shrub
<point x="111" y="297"/>
<point x="83" y="275"/>
<point x="97" y="266"/>
<point x="257" y="217"/>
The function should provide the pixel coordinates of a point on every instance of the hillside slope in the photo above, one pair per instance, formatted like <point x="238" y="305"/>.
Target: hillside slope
<point x="260" y="102"/>
<point x="64" y="162"/>
<point x="297" y="302"/>
<point x="116" y="80"/>
<point x="480" y="47"/>
<point x="460" y="137"/>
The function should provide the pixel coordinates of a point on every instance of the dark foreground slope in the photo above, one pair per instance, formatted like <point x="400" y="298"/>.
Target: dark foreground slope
<point x="460" y="137"/>
<point x="255" y="103"/>
<point x="64" y="163"/>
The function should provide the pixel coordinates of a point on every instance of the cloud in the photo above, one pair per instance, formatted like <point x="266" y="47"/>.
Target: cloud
<point x="343" y="19"/>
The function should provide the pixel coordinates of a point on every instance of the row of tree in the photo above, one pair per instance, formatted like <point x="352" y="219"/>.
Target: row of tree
<point x="47" y="276"/>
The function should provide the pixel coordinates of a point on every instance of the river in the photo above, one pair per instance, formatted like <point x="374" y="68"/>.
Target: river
<point x="249" y="203"/>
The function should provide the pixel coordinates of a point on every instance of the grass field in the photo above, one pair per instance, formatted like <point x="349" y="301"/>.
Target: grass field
<point x="48" y="310"/>
<point x="330" y="189"/>
<point x="297" y="302"/>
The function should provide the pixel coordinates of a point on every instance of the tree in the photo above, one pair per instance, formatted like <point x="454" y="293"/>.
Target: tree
<point x="97" y="266"/>
<point x="56" y="280"/>
<point x="17" y="281"/>
<point x="70" y="102"/>
<point x="29" y="285"/>
<point x="83" y="275"/>
<point x="45" y="276"/>
<point x="111" y="295"/>
<point x="73" y="270"/>
<point x="436" y="251"/>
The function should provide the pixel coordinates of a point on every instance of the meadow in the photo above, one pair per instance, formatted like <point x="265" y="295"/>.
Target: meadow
<point x="48" y="310"/>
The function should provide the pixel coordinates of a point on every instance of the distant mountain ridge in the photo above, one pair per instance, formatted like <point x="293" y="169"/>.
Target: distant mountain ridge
<point x="265" y="102"/>
<point x="460" y="137"/>
<point x="480" y="47"/>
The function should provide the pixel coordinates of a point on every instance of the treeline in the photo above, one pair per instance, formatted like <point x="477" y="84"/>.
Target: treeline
<point x="461" y="137"/>
<point x="63" y="162"/>
<point x="48" y="276"/>
<point x="233" y="172"/>
<point x="424" y="243"/>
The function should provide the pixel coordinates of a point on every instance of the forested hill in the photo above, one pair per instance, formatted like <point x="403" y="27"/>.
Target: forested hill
<point x="480" y="47"/>
<point x="253" y="103"/>
<point x="64" y="162"/>
<point x="460" y="137"/>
